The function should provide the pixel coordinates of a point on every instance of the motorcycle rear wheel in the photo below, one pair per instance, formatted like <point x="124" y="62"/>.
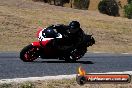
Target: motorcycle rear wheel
<point x="70" y="59"/>
<point x="29" y="53"/>
<point x="75" y="54"/>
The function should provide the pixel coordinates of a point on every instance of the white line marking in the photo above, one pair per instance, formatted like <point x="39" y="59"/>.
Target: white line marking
<point x="58" y="77"/>
<point x="125" y="53"/>
<point x="107" y="53"/>
<point x="124" y="72"/>
<point x="20" y="80"/>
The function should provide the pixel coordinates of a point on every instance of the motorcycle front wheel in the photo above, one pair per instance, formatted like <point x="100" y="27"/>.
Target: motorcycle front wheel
<point x="29" y="53"/>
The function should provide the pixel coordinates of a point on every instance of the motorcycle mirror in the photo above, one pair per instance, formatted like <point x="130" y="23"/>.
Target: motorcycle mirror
<point x="91" y="34"/>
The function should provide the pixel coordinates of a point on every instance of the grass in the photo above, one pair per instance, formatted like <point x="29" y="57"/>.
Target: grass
<point x="19" y="23"/>
<point x="64" y="83"/>
<point x="18" y="85"/>
<point x="5" y="85"/>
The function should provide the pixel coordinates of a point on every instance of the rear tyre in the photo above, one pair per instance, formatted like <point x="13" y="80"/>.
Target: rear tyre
<point x="67" y="58"/>
<point x="76" y="54"/>
<point x="29" y="53"/>
<point x="70" y="59"/>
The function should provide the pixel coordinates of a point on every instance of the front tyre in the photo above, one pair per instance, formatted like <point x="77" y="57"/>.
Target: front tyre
<point x="29" y="53"/>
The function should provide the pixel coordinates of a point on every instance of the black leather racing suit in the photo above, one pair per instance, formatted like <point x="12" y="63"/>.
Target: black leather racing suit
<point x="71" y="40"/>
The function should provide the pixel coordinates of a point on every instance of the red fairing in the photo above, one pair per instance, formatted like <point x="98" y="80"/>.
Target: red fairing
<point x="45" y="42"/>
<point x="37" y="44"/>
<point x="39" y="29"/>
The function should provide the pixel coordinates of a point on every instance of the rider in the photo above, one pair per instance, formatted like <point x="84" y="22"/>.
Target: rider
<point x="75" y="32"/>
<point x="72" y="34"/>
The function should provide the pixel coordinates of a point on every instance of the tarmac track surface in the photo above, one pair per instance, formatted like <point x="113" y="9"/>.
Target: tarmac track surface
<point x="12" y="67"/>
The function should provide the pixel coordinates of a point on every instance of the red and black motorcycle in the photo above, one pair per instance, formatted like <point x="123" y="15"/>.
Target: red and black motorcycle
<point x="46" y="50"/>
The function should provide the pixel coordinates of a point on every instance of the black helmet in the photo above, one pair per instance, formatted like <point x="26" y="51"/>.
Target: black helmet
<point x="74" y="26"/>
<point x="49" y="33"/>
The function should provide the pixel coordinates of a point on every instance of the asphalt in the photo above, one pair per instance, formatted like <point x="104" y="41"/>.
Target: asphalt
<point x="12" y="67"/>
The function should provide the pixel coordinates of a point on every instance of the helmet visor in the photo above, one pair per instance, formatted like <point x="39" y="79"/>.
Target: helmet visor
<point x="73" y="30"/>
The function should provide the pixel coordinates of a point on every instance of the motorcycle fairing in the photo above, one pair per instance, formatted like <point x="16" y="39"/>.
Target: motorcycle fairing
<point x="39" y="30"/>
<point x="43" y="43"/>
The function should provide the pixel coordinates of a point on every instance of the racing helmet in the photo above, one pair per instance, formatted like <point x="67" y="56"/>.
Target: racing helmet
<point x="49" y="33"/>
<point x="74" y="26"/>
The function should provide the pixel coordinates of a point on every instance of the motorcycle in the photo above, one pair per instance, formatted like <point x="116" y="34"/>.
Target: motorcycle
<point x="44" y="50"/>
